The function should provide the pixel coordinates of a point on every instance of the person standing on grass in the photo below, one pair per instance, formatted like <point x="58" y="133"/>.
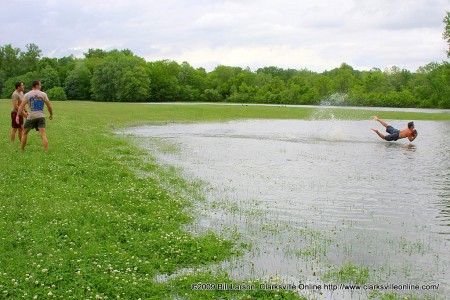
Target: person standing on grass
<point x="36" y="118"/>
<point x="17" y="98"/>
<point x="395" y="134"/>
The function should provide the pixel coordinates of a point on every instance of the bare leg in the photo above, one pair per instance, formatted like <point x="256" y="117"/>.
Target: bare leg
<point x="381" y="121"/>
<point x="379" y="134"/>
<point x="20" y="133"/>
<point x="23" y="142"/>
<point x="44" y="138"/>
<point x="13" y="134"/>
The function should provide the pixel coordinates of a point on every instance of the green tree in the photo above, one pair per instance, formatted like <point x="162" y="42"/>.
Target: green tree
<point x="261" y="79"/>
<point x="446" y="34"/>
<point x="105" y="81"/>
<point x="93" y="57"/>
<point x="56" y="93"/>
<point x="431" y="85"/>
<point x="375" y="81"/>
<point x="3" y="80"/>
<point x="78" y="82"/>
<point x="298" y="91"/>
<point x="64" y="66"/>
<point x="134" y="83"/>
<point x="241" y="86"/>
<point x="10" y="60"/>
<point x="212" y="95"/>
<point x="164" y="80"/>
<point x="421" y="86"/>
<point x="9" y="85"/>
<point x="221" y="79"/>
<point x="281" y="73"/>
<point x="322" y="86"/>
<point x="120" y="77"/>
<point x="192" y="83"/>
<point x="49" y="78"/>
<point x="440" y="83"/>
<point x="48" y="62"/>
<point x="272" y="92"/>
<point x="398" y="78"/>
<point x="29" y="60"/>
<point x="343" y="78"/>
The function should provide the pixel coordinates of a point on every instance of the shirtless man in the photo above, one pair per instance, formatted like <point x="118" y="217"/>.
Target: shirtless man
<point x="395" y="134"/>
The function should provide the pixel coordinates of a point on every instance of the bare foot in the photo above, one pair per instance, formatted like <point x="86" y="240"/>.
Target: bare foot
<point x="376" y="130"/>
<point x="375" y="118"/>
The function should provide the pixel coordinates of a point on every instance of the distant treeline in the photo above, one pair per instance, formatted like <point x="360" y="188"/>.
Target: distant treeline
<point x="122" y="76"/>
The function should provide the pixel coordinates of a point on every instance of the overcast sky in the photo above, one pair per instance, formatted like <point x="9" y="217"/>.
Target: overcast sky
<point x="314" y="34"/>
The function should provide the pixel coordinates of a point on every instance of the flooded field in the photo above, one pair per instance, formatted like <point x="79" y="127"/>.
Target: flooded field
<point x="322" y="202"/>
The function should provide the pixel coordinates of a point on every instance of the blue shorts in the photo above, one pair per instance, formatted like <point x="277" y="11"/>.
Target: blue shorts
<point x="394" y="134"/>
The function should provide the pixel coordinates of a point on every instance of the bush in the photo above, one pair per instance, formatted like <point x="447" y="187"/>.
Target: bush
<point x="212" y="95"/>
<point x="57" y="93"/>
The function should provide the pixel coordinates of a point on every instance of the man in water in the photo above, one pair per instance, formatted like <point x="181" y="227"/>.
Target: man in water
<point x="395" y="134"/>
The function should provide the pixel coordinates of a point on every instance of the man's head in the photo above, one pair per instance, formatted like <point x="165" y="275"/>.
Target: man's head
<point x="36" y="85"/>
<point x="411" y="125"/>
<point x="19" y="85"/>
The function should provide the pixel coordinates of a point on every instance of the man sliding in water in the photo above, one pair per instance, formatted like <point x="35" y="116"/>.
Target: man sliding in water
<point x="395" y="134"/>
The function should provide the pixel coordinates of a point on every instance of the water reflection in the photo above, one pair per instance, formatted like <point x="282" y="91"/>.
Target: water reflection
<point x="384" y="205"/>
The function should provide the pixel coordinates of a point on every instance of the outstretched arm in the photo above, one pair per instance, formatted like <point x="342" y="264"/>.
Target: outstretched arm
<point x="412" y="137"/>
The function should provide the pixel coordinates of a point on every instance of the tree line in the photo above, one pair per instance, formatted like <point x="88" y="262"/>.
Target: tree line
<point x="123" y="76"/>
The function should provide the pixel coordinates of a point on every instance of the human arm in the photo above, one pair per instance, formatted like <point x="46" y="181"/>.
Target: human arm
<point x="413" y="136"/>
<point x="20" y="109"/>
<point x="15" y="103"/>
<point x="50" y="109"/>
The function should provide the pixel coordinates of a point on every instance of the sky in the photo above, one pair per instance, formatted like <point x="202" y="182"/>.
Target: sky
<point x="317" y="35"/>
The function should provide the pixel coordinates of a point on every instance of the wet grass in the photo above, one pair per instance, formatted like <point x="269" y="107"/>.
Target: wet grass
<point x="348" y="273"/>
<point x="98" y="218"/>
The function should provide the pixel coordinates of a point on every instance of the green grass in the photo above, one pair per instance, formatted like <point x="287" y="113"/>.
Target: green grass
<point x="349" y="274"/>
<point x="97" y="218"/>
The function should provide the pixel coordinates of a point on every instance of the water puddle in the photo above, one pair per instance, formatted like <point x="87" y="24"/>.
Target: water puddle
<point x="314" y="198"/>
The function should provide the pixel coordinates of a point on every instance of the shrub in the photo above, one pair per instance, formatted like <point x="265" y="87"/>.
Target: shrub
<point x="57" y="93"/>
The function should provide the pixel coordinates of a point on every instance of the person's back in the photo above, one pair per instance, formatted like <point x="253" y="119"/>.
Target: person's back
<point x="36" y="100"/>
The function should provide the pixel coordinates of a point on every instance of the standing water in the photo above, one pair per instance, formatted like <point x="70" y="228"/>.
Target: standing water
<point x="323" y="202"/>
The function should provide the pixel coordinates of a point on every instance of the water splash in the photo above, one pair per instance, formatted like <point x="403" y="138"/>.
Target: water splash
<point x="336" y="99"/>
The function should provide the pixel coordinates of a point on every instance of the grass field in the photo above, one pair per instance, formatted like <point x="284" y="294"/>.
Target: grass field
<point x="97" y="218"/>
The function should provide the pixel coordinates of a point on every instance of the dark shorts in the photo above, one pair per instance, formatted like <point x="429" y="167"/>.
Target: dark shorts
<point x="35" y="123"/>
<point x="394" y="134"/>
<point x="13" y="120"/>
